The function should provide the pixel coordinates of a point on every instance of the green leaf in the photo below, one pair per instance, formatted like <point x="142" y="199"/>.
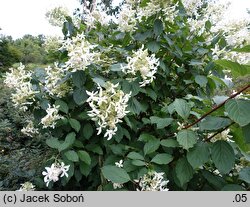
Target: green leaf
<point x="84" y="156"/>
<point x="72" y="155"/>
<point x="236" y="68"/>
<point x="69" y="140"/>
<point x="53" y="142"/>
<point x="75" y="124"/>
<point x="232" y="187"/>
<point x="146" y="137"/>
<point x="88" y="130"/>
<point x="182" y="108"/>
<point x="79" y="78"/>
<point x="158" y="27"/>
<point x="62" y="106"/>
<point x="201" y="80"/>
<point x="117" y="67"/>
<point x="169" y="143"/>
<point x="162" y="159"/>
<point x="85" y="168"/>
<point x="243" y="49"/>
<point x="151" y="146"/>
<point x="223" y="156"/>
<point x="135" y="106"/>
<point x="153" y="46"/>
<point x="214" y="123"/>
<point x="80" y="96"/>
<point x="187" y="138"/>
<point x="245" y="174"/>
<point x="138" y="163"/>
<point x="115" y="174"/>
<point x="239" y="111"/>
<point x="161" y="122"/>
<point x="184" y="171"/>
<point x="246" y="133"/>
<point x="198" y="155"/>
<point x="135" y="156"/>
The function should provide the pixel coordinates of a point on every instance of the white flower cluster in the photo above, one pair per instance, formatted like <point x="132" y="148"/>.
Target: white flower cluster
<point x="153" y="181"/>
<point x="120" y="165"/>
<point x="79" y="52"/>
<point x="145" y="64"/>
<point x="52" y="43"/>
<point x="19" y="79"/>
<point x="52" y="116"/>
<point x="54" y="83"/>
<point x="53" y="172"/>
<point x="155" y="6"/>
<point x="126" y="19"/>
<point x="224" y="135"/>
<point x="236" y="31"/>
<point x="192" y="6"/>
<point x="95" y="16"/>
<point x="57" y="16"/>
<point x="108" y="108"/>
<point x="30" y="130"/>
<point x="27" y="186"/>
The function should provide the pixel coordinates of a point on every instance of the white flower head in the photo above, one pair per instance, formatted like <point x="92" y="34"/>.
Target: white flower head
<point x="27" y="186"/>
<point x="30" y="130"/>
<point x="52" y="116"/>
<point x="224" y="135"/>
<point x="108" y="108"/>
<point x="53" y="172"/>
<point x="153" y="181"/>
<point x="144" y="63"/>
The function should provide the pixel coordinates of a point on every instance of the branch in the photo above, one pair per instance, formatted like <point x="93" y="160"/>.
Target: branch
<point x="217" y="107"/>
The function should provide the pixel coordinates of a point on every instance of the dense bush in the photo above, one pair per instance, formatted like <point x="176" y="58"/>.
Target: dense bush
<point x="133" y="102"/>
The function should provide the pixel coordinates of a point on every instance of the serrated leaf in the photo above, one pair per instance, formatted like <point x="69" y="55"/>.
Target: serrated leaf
<point x="85" y="169"/>
<point x="232" y="187"/>
<point x="236" y="68"/>
<point x="151" y="146"/>
<point x="184" y="171"/>
<point x="169" y="143"/>
<point x="69" y="140"/>
<point x="201" y="80"/>
<point x="135" y="106"/>
<point x="198" y="155"/>
<point x="214" y="123"/>
<point x="84" y="156"/>
<point x="245" y="174"/>
<point x="223" y="156"/>
<point x="75" y="124"/>
<point x="80" y="96"/>
<point x="246" y="133"/>
<point x="79" y="78"/>
<point x="158" y="27"/>
<point x="162" y="159"/>
<point x="72" y="155"/>
<point x="135" y="156"/>
<point x="161" y="122"/>
<point x="146" y="137"/>
<point x="239" y="111"/>
<point x="243" y="49"/>
<point x="187" y="138"/>
<point x="53" y="142"/>
<point x="138" y="163"/>
<point x="115" y="174"/>
<point x="153" y="46"/>
<point x="88" y="130"/>
<point x="62" y="106"/>
<point x="182" y="108"/>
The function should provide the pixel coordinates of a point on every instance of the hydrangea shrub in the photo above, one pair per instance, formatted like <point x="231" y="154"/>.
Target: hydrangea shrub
<point x="134" y="102"/>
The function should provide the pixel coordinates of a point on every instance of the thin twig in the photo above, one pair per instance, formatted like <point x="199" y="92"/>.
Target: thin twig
<point x="217" y="107"/>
